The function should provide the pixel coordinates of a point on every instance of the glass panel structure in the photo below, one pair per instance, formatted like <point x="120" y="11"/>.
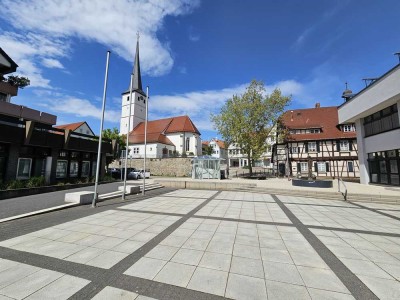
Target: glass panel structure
<point x="206" y="167"/>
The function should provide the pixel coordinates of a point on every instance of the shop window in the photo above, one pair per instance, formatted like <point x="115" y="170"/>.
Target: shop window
<point x="61" y="169"/>
<point x="73" y="169"/>
<point x="94" y="167"/>
<point x="85" y="169"/>
<point x="24" y="168"/>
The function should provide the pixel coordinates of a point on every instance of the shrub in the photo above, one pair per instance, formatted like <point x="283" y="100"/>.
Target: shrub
<point x="35" y="182"/>
<point x="15" y="184"/>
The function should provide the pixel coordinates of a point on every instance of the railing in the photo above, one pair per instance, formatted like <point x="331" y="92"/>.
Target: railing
<point x="340" y="181"/>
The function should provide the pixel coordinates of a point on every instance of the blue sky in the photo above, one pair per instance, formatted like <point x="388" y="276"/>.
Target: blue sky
<point x="194" y="54"/>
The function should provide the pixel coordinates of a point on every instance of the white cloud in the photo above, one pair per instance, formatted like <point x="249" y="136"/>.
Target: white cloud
<point x="52" y="63"/>
<point x="111" y="23"/>
<point x="199" y="104"/>
<point x="82" y="108"/>
<point x="27" y="49"/>
<point x="194" y="38"/>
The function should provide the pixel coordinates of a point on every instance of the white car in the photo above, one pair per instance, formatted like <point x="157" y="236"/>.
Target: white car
<point x="138" y="174"/>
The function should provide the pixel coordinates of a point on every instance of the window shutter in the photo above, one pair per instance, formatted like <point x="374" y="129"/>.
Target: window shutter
<point x="350" y="145"/>
<point x="306" y="146"/>
<point x="298" y="167"/>
<point x="317" y="146"/>
<point x="327" y="166"/>
<point x="315" y="167"/>
<point x="290" y="150"/>
<point x="337" y="145"/>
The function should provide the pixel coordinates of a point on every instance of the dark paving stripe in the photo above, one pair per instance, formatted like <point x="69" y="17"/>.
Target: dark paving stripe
<point x="356" y="287"/>
<point x="323" y="205"/>
<point x="118" y="269"/>
<point x="205" y="217"/>
<point x="150" y="212"/>
<point x="380" y="233"/>
<point x="376" y="211"/>
<point x="243" y="221"/>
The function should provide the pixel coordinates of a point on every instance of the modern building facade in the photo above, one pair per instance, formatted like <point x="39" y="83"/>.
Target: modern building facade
<point x="31" y="146"/>
<point x="315" y="136"/>
<point x="375" y="111"/>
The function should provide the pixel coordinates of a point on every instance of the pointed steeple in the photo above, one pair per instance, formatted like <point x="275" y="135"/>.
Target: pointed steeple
<point x="137" y="78"/>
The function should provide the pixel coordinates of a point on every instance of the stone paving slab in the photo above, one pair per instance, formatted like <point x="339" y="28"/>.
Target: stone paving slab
<point x="190" y="244"/>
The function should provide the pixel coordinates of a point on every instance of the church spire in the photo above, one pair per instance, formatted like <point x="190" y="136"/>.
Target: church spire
<point x="137" y="78"/>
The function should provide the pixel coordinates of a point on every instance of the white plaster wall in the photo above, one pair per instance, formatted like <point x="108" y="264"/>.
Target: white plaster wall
<point x="178" y="140"/>
<point x="84" y="128"/>
<point x="384" y="141"/>
<point x="381" y="94"/>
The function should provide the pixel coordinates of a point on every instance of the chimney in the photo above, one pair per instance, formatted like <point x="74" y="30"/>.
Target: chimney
<point x="291" y="115"/>
<point x="317" y="105"/>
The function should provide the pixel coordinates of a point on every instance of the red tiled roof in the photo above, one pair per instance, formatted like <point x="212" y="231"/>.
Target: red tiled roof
<point x="220" y="143"/>
<point x="206" y="143"/>
<point x="71" y="126"/>
<point x="157" y="130"/>
<point x="325" y="118"/>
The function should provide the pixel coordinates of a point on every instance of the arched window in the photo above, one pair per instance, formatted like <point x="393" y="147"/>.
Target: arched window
<point x="187" y="144"/>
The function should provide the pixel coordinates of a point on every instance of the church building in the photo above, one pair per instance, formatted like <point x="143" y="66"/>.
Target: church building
<point x="169" y="137"/>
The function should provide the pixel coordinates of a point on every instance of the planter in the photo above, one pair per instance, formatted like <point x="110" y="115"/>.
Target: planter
<point x="7" y="194"/>
<point x="313" y="183"/>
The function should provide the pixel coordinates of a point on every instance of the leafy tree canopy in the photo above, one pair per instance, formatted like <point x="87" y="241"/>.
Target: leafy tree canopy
<point x="18" y="81"/>
<point x="247" y="120"/>
<point x="113" y="134"/>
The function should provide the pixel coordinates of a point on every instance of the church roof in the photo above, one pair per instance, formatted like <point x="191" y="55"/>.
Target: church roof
<point x="71" y="126"/>
<point x="157" y="130"/>
<point x="137" y="77"/>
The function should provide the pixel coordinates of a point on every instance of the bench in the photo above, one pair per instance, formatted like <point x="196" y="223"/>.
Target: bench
<point x="84" y="197"/>
<point x="130" y="189"/>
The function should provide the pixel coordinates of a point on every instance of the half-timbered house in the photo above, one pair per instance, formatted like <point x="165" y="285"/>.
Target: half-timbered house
<point x="315" y="135"/>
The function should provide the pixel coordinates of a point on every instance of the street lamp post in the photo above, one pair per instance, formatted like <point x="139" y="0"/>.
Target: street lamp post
<point x="95" y="197"/>
<point x="127" y="137"/>
<point x="145" y="140"/>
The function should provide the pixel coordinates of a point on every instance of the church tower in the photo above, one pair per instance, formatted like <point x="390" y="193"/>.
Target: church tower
<point x="138" y="110"/>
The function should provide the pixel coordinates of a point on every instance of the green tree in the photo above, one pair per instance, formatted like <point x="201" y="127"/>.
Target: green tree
<point x="113" y="134"/>
<point x="208" y="150"/>
<point x="18" y="81"/>
<point x="247" y="120"/>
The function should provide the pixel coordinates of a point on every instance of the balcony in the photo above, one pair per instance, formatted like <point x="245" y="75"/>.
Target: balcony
<point x="9" y="89"/>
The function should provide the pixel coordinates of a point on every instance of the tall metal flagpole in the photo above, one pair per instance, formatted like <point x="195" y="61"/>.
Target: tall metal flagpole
<point x="127" y="136"/>
<point x="95" y="197"/>
<point x="145" y="139"/>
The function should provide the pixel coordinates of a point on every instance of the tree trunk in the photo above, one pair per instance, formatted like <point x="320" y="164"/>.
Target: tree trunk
<point x="249" y="164"/>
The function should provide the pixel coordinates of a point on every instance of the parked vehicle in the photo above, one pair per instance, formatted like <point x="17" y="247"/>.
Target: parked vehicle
<point x="138" y="174"/>
<point x="115" y="173"/>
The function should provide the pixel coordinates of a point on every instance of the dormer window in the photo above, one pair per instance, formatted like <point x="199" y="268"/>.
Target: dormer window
<point x="348" y="128"/>
<point x="315" y="130"/>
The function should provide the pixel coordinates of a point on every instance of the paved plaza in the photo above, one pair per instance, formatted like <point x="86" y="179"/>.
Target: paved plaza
<point x="200" y="244"/>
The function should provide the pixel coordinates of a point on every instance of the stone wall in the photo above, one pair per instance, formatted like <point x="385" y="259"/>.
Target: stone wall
<point x="179" y="167"/>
